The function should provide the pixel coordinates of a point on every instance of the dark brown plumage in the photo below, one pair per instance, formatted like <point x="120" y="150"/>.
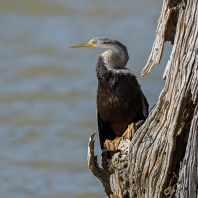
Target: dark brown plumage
<point x="119" y="102"/>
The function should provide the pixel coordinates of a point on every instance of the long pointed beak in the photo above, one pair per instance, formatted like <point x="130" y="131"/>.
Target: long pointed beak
<point x="82" y="45"/>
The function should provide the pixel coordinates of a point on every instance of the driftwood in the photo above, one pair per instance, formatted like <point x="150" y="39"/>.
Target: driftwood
<point x="161" y="159"/>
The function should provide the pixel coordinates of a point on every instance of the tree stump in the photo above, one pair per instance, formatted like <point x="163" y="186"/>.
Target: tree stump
<point x="161" y="159"/>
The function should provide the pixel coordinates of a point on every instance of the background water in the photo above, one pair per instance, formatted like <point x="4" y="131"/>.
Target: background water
<point x="47" y="91"/>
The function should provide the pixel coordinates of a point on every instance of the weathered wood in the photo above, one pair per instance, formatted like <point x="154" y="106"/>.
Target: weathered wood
<point x="166" y="28"/>
<point x="102" y="174"/>
<point x="161" y="159"/>
<point x="188" y="181"/>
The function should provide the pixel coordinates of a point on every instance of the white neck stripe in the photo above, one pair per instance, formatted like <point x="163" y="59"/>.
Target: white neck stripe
<point x="124" y="71"/>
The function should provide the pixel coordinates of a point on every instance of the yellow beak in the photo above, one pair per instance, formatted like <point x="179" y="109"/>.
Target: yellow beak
<point x="82" y="45"/>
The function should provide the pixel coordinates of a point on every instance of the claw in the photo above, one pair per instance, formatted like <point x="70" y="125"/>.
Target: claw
<point x="129" y="133"/>
<point x="139" y="124"/>
<point x="112" y="145"/>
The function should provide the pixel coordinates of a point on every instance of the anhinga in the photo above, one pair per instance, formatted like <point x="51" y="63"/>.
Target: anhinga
<point x="120" y="100"/>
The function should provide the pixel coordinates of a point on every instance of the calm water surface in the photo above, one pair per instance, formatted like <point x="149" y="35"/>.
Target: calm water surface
<point x="47" y="91"/>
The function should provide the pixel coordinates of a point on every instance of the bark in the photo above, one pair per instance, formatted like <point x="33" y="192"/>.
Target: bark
<point x="161" y="159"/>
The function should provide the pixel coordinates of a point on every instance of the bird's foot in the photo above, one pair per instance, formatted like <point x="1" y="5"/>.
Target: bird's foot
<point x="112" y="145"/>
<point x="132" y="128"/>
<point x="129" y="133"/>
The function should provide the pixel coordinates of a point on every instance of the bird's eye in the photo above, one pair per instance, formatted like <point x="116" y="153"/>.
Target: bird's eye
<point x="93" y="42"/>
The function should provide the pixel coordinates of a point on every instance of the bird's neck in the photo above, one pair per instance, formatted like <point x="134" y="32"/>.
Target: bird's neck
<point x="116" y="58"/>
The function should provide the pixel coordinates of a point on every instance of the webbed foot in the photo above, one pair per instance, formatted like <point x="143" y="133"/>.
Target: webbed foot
<point x="112" y="145"/>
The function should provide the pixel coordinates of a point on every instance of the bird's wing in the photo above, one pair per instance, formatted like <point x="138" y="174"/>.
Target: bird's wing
<point x="145" y="106"/>
<point x="105" y="131"/>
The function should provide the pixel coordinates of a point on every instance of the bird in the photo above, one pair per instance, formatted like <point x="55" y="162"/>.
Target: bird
<point x="120" y="100"/>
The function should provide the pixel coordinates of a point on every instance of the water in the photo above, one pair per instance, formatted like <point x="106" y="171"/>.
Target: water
<point x="47" y="91"/>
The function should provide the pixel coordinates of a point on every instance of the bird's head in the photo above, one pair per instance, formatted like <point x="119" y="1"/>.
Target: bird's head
<point x="101" y="42"/>
<point x="115" y="58"/>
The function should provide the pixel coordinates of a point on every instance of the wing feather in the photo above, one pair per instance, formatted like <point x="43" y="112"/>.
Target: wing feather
<point x="105" y="131"/>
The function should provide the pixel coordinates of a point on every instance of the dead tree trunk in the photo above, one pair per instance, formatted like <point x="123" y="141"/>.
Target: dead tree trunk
<point x="161" y="159"/>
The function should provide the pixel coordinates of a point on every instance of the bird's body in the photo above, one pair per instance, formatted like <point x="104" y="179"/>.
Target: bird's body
<point x="120" y="100"/>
